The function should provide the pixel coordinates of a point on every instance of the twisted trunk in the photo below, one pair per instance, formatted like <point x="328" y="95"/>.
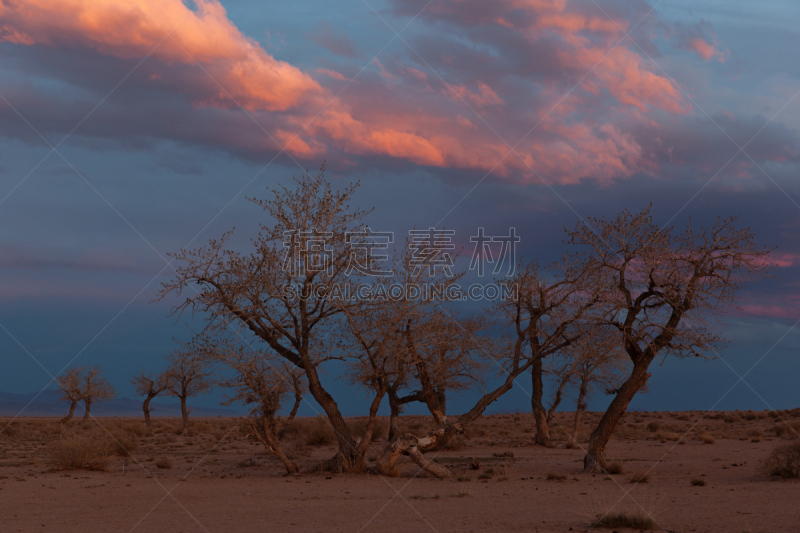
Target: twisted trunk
<point x="394" y="416"/>
<point x="184" y="412"/>
<point x="88" y="403"/>
<point x="595" y="459"/>
<point x="539" y="413"/>
<point x="297" y="399"/>
<point x="439" y="437"/>
<point x="346" y="456"/>
<point x="72" y="407"/>
<point x="146" y="409"/>
<point x="269" y="437"/>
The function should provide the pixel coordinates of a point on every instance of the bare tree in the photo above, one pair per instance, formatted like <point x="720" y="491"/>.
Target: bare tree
<point x="543" y="316"/>
<point x="595" y="360"/>
<point x="283" y="291"/>
<point x="662" y="288"/>
<point x="549" y="313"/>
<point x="70" y="384"/>
<point x="259" y="380"/>
<point x="187" y="375"/>
<point x="94" y="388"/>
<point x="444" y="355"/>
<point x="150" y="386"/>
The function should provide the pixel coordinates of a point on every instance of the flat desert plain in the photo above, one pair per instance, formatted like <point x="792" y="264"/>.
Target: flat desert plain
<point x="686" y="471"/>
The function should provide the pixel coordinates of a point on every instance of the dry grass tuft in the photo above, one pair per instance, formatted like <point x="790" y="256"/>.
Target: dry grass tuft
<point x="698" y="482"/>
<point x="81" y="451"/>
<point x="164" y="462"/>
<point x="784" y="461"/>
<point x="705" y="438"/>
<point x="552" y="476"/>
<point x="639" y="521"/>
<point x="614" y="468"/>
<point x="639" y="477"/>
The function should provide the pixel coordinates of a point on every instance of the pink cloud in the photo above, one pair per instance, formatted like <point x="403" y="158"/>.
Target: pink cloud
<point x="584" y="135"/>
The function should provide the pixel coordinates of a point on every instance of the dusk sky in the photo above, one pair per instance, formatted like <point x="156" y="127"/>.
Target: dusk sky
<point x="133" y="128"/>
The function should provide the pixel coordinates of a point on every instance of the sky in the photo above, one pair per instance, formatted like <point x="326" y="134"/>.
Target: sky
<point x="133" y="128"/>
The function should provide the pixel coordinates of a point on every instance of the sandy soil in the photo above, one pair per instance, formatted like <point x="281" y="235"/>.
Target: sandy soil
<point x="220" y="481"/>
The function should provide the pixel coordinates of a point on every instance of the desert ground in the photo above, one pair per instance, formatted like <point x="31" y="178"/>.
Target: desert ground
<point x="687" y="471"/>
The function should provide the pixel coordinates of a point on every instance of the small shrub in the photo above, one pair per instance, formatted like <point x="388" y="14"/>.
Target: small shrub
<point x="730" y="419"/>
<point x="639" y="521"/>
<point x="552" y="476"/>
<point x="698" y="482"/>
<point x="614" y="468"/>
<point x="81" y="451"/>
<point x="653" y="427"/>
<point x="784" y="461"/>
<point x="639" y="477"/>
<point x="164" y="462"/>
<point x="707" y="439"/>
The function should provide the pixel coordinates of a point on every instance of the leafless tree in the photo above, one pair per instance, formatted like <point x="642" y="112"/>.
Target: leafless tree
<point x="542" y="315"/>
<point x="150" y="386"/>
<point x="187" y="375"/>
<point x="444" y="355"/>
<point x="662" y="289"/>
<point x="549" y="313"/>
<point x="595" y="360"/>
<point x="258" y="379"/>
<point x="283" y="290"/>
<point x="70" y="384"/>
<point x="94" y="388"/>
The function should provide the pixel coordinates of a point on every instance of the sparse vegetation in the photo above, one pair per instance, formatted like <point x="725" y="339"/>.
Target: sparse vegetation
<point x="81" y="451"/>
<point x="698" y="482"/>
<point x="638" y="520"/>
<point x="784" y="461"/>
<point x="164" y="462"/>
<point x="614" y="468"/>
<point x="639" y="477"/>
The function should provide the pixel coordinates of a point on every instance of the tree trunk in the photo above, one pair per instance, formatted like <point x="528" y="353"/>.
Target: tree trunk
<point x="146" y="409"/>
<point x="595" y="459"/>
<point x="346" y="455"/>
<point x="438" y="438"/>
<point x="88" y="404"/>
<point x="359" y="464"/>
<point x="273" y="444"/>
<point x="184" y="413"/>
<point x="579" y="407"/>
<point x="539" y="413"/>
<point x="394" y="416"/>
<point x="297" y="399"/>
<point x="72" y="407"/>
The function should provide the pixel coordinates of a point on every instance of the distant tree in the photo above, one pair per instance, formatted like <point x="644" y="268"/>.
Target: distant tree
<point x="94" y="388"/>
<point x="661" y="290"/>
<point x="70" y="384"/>
<point x="150" y="386"/>
<point x="188" y="375"/>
